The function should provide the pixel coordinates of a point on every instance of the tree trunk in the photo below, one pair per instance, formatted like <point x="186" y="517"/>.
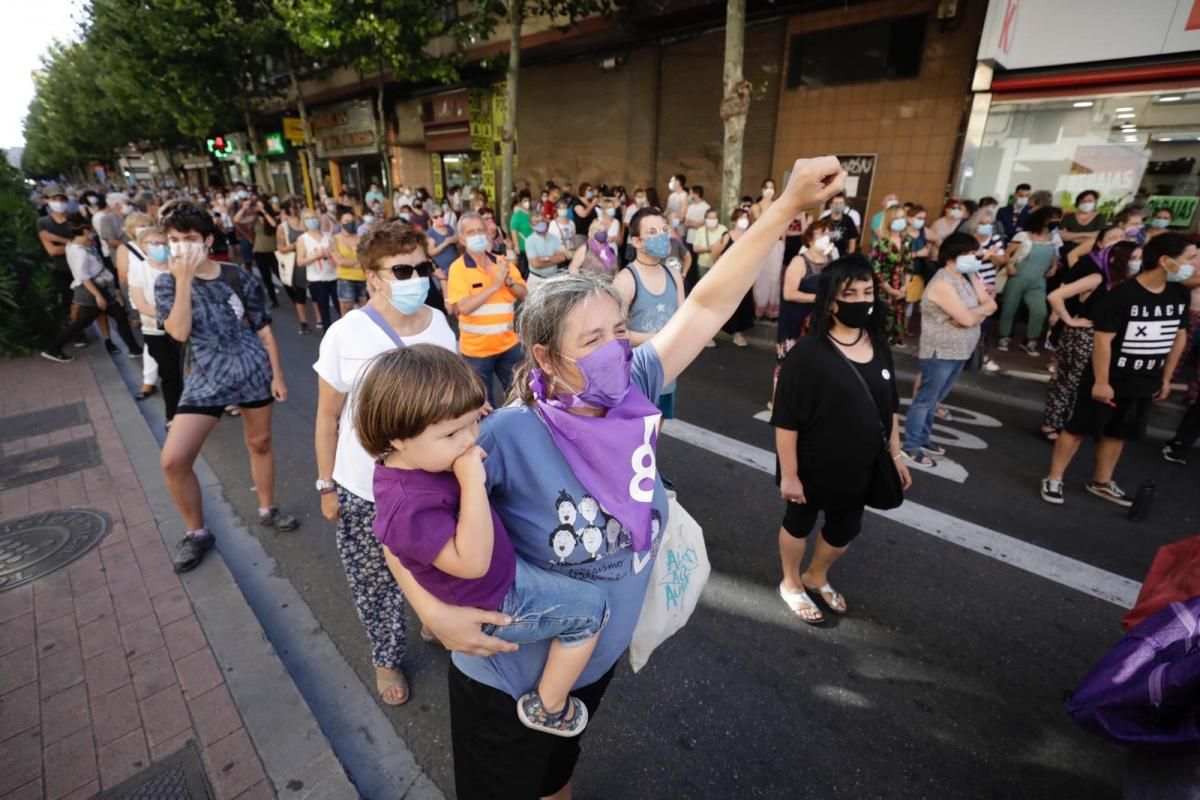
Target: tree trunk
<point x="308" y="153"/>
<point x="734" y="106"/>
<point x="261" y="177"/>
<point x="516" y="14"/>
<point x="385" y="160"/>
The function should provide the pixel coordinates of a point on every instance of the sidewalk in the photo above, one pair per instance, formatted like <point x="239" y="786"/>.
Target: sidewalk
<point x="107" y="672"/>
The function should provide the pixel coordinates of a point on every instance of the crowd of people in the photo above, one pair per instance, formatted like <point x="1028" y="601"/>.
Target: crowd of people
<point x="471" y="368"/>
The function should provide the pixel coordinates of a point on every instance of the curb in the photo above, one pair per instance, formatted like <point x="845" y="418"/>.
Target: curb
<point x="316" y="727"/>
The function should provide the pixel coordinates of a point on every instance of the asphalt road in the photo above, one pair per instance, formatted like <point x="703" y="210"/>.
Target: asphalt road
<point x="946" y="679"/>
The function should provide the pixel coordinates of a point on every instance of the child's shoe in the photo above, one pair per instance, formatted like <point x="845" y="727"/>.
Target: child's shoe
<point x="534" y="715"/>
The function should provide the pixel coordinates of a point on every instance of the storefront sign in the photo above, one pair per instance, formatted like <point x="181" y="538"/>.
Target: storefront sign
<point x="345" y="130"/>
<point x="435" y="164"/>
<point x="275" y="145"/>
<point x="293" y="129"/>
<point x="1113" y="170"/>
<point x="1183" y="208"/>
<point x="860" y="171"/>
<point x="196" y="162"/>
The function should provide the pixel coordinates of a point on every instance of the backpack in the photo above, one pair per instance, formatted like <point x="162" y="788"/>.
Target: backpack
<point x="1145" y="692"/>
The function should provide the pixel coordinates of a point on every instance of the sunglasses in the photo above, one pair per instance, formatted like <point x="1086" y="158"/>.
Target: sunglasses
<point x="404" y="272"/>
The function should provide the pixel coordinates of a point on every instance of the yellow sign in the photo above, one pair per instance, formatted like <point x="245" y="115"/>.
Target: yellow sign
<point x="293" y="129"/>
<point x="435" y="164"/>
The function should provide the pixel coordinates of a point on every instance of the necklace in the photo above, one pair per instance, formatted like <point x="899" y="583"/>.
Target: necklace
<point x="857" y="339"/>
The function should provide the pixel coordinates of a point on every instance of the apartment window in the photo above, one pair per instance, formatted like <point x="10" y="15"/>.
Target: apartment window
<point x="885" y="50"/>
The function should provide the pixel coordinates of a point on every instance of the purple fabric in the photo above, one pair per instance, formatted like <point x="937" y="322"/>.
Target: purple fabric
<point x="624" y="489"/>
<point x="416" y="513"/>
<point x="1145" y="693"/>
<point x="602" y="251"/>
<point x="1101" y="257"/>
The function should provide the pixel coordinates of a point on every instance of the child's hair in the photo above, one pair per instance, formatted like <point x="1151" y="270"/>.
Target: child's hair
<point x="410" y="388"/>
<point x="389" y="238"/>
<point x="184" y="216"/>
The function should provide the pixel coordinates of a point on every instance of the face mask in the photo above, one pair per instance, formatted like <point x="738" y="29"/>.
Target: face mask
<point x="348" y="227"/>
<point x="768" y="192"/>
<point x="641" y="202"/>
<point x="1185" y="271"/>
<point x="184" y="249"/>
<point x="545" y="198"/>
<point x="1135" y="267"/>
<point x="854" y="315"/>
<point x="984" y="228"/>
<point x="890" y="203"/>
<point x="590" y="194"/>
<point x="606" y="374"/>
<point x="601" y="237"/>
<point x="331" y="206"/>
<point x="159" y="252"/>
<point x="407" y="296"/>
<point x="93" y="200"/>
<point x="242" y="195"/>
<point x="710" y="223"/>
<point x="822" y="244"/>
<point x="57" y="206"/>
<point x="1132" y="231"/>
<point x="1086" y="208"/>
<point x="562" y="213"/>
<point x="477" y="243"/>
<point x="525" y="204"/>
<point x="918" y="223"/>
<point x="1021" y="202"/>
<point x="368" y="219"/>
<point x="742" y="223"/>
<point x="611" y="212"/>
<point x="966" y="264"/>
<point x="990" y="209"/>
<point x="274" y="201"/>
<point x="1160" y="222"/>
<point x="898" y="224"/>
<point x="956" y="213"/>
<point x="404" y="215"/>
<point x="672" y="185"/>
<point x="675" y="223"/>
<point x="657" y="246"/>
<point x="312" y="224"/>
<point x="838" y="209"/>
<point x="541" y="227"/>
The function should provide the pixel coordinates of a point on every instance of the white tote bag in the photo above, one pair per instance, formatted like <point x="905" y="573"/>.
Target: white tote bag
<point x="287" y="265"/>
<point x="679" y="575"/>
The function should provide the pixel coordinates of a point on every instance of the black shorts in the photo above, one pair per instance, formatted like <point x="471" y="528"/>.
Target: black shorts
<point x="217" y="411"/>
<point x="841" y="526"/>
<point x="1125" y="420"/>
<point x="496" y="756"/>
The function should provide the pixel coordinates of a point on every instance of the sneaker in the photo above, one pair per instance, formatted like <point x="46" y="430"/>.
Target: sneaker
<point x="135" y="355"/>
<point x="1110" y="492"/>
<point x="1052" y="491"/>
<point x="739" y="340"/>
<point x="304" y="331"/>
<point x="1169" y="453"/>
<point x="1003" y="344"/>
<point x="989" y="365"/>
<point x="80" y="341"/>
<point x="58" y="358"/>
<point x="534" y="715"/>
<point x="274" y="518"/>
<point x="1030" y="347"/>
<point x="1049" y="346"/>
<point x="190" y="551"/>
<point x="111" y="348"/>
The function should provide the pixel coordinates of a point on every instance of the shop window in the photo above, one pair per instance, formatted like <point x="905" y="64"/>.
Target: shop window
<point x="885" y="50"/>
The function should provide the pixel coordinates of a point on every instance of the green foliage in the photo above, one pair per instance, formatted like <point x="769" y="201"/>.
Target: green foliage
<point x="27" y="310"/>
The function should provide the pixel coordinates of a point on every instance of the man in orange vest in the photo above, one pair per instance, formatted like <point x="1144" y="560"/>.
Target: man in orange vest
<point x="484" y="290"/>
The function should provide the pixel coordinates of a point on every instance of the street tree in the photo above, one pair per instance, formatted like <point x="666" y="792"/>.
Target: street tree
<point x="735" y="105"/>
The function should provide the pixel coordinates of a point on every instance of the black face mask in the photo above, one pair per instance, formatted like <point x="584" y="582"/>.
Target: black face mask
<point x="854" y="315"/>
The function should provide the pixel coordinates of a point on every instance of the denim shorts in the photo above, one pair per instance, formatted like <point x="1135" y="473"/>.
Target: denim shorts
<point x="351" y="291"/>
<point x="549" y="605"/>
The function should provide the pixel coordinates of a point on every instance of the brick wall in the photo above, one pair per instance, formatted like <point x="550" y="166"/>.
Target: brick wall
<point x="913" y="125"/>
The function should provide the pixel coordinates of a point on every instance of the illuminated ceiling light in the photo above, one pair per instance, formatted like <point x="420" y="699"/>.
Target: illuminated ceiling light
<point x="1166" y="139"/>
<point x="1171" y="98"/>
<point x="1124" y="108"/>
<point x="1131" y="138"/>
<point x="1083" y="104"/>
<point x="1127" y="115"/>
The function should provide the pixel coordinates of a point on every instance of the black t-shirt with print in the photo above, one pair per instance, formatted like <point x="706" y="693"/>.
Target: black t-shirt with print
<point x="1145" y="324"/>
<point x="842" y="232"/>
<point x="837" y="424"/>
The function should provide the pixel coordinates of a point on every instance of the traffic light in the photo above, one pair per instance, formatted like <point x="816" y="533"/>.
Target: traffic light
<point x="220" y="147"/>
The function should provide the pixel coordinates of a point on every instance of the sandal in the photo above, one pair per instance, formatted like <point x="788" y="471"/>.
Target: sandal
<point x="389" y="680"/>
<point x="943" y="413"/>
<point x="919" y="458"/>
<point x="800" y="604"/>
<point x="829" y="597"/>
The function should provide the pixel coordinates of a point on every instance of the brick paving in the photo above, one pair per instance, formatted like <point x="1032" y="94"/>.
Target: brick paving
<point x="104" y="668"/>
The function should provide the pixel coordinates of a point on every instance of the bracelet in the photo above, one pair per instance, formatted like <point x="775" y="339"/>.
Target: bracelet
<point x="898" y="456"/>
<point x="327" y="491"/>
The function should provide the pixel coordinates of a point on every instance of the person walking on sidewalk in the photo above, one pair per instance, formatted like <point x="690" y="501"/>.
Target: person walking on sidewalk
<point x="1138" y="341"/>
<point x="399" y="272"/>
<point x="220" y="312"/>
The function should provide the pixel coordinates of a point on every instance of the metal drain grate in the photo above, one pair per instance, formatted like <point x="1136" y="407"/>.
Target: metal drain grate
<point x="48" y="420"/>
<point x="177" y="777"/>
<point x="32" y="466"/>
<point x="38" y="544"/>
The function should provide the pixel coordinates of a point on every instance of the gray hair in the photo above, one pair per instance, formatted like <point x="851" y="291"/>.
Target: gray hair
<point x="1042" y="198"/>
<point x="467" y="216"/>
<point x="978" y="217"/>
<point x="544" y="314"/>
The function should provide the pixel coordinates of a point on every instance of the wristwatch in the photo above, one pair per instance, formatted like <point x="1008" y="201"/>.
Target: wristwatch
<point x="325" y="486"/>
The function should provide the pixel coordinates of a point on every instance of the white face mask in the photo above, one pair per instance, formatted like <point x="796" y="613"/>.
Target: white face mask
<point x="1087" y="207"/>
<point x="822" y="244"/>
<point x="956" y="213"/>
<point x="743" y="223"/>
<point x="768" y="192"/>
<point x="891" y="203"/>
<point x="710" y="223"/>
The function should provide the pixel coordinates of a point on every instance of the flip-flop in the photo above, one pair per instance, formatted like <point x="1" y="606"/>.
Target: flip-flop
<point x="829" y="597"/>
<point x="391" y="679"/>
<point x="800" y="601"/>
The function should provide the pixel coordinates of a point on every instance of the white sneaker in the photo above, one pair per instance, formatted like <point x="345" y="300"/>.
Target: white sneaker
<point x="990" y="366"/>
<point x="1002" y="345"/>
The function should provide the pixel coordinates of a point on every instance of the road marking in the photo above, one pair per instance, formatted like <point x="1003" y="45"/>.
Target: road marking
<point x="964" y="416"/>
<point x="763" y="416"/>
<point x="1077" y="575"/>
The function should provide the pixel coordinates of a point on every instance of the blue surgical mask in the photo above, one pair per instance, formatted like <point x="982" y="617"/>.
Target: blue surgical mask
<point x="159" y="252"/>
<point x="838" y="209"/>
<point x="1185" y="271"/>
<point x="407" y="296"/>
<point x="312" y="224"/>
<point x="1135" y="267"/>
<point x="966" y="264"/>
<point x="404" y="215"/>
<point x="899" y="224"/>
<point x="918" y="223"/>
<point x="984" y="229"/>
<point x="657" y="246"/>
<point x="477" y="243"/>
<point x="541" y="227"/>
<point x="1160" y="222"/>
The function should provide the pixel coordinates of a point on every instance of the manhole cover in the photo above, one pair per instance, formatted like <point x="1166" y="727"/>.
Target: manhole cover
<point x="33" y="546"/>
<point x="177" y="777"/>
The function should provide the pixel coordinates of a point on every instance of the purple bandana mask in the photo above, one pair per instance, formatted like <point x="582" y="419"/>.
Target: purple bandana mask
<point x="612" y="456"/>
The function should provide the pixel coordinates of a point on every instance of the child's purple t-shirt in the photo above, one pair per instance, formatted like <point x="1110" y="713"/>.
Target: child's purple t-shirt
<point x="416" y="513"/>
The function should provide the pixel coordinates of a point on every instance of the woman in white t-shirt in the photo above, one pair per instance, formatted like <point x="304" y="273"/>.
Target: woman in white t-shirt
<point x="398" y="271"/>
<point x="314" y="252"/>
<point x="143" y="273"/>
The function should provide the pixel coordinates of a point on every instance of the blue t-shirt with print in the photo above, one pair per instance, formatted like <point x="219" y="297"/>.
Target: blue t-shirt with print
<point x="547" y="511"/>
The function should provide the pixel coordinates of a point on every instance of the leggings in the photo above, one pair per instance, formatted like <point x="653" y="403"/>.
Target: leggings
<point x="87" y="315"/>
<point x="1028" y="288"/>
<point x="1073" y="355"/>
<point x="268" y="268"/>
<point x="167" y="352"/>
<point x="324" y="296"/>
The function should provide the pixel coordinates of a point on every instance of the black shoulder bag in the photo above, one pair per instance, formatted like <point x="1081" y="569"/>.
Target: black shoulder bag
<point x="884" y="491"/>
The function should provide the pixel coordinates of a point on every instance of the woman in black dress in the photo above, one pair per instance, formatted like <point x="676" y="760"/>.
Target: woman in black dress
<point x="743" y="318"/>
<point x="837" y="389"/>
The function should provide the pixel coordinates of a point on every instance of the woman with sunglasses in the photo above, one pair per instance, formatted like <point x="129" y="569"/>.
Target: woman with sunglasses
<point x="399" y="273"/>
